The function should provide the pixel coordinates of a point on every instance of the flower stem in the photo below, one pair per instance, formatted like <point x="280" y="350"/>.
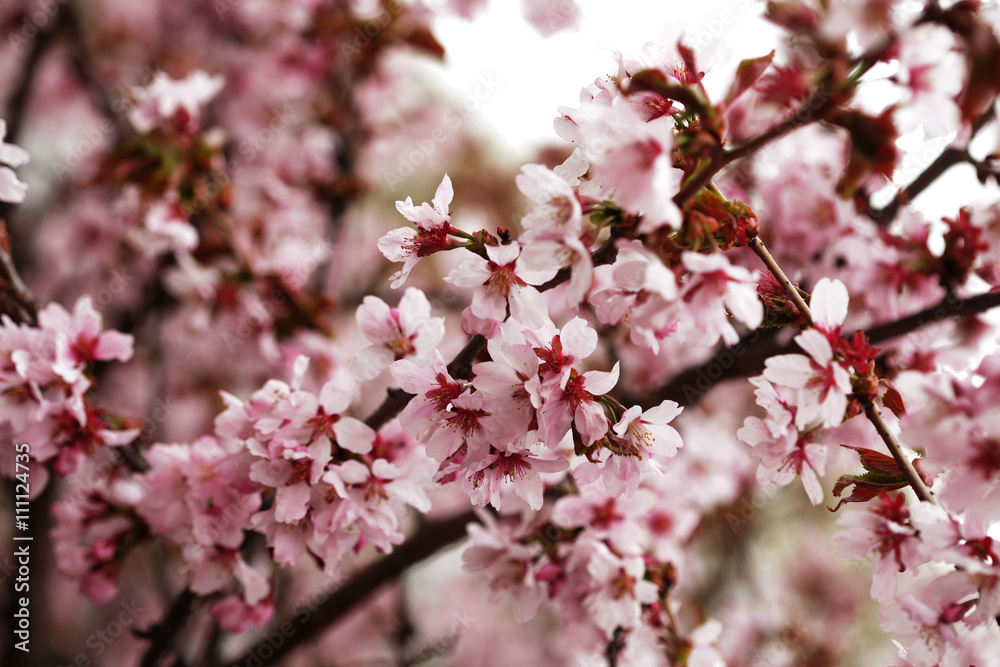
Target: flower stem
<point x="875" y="417"/>
<point x="871" y="410"/>
<point x="757" y="246"/>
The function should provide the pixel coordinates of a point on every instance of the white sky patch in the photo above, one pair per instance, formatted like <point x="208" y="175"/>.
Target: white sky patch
<point x="534" y="75"/>
<point x="537" y="74"/>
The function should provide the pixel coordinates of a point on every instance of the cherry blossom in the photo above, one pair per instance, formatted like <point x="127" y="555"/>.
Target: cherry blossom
<point x="572" y="403"/>
<point x="407" y="331"/>
<point x="886" y="531"/>
<point x="822" y="382"/>
<point x="167" y="100"/>
<point x="11" y="189"/>
<point x="712" y="283"/>
<point x="431" y="235"/>
<point x="656" y="332"/>
<point x="501" y="283"/>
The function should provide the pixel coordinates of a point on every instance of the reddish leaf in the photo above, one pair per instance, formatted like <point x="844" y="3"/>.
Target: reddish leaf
<point x="892" y="399"/>
<point x="423" y="39"/>
<point x="749" y="71"/>
<point x="882" y="474"/>
<point x="876" y="461"/>
<point x="860" y="494"/>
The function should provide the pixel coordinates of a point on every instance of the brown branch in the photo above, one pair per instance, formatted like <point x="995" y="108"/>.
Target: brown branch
<point x="947" y="307"/>
<point x="948" y="158"/>
<point x="162" y="635"/>
<point x="83" y="64"/>
<point x="871" y="410"/>
<point x="25" y="301"/>
<point x="18" y="102"/>
<point x="809" y="111"/>
<point x="761" y="251"/>
<point x="746" y="358"/>
<point x="426" y="542"/>
<point x="875" y="417"/>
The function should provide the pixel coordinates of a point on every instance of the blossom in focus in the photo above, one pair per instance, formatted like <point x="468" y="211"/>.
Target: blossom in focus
<point x="502" y="283"/>
<point x="405" y="332"/>
<point x="432" y="233"/>
<point x="822" y="382"/>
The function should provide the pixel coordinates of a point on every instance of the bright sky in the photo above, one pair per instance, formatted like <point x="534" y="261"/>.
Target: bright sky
<point x="533" y="75"/>
<point x="536" y="74"/>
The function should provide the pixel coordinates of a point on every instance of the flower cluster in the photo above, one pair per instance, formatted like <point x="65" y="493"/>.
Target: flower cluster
<point x="585" y="365"/>
<point x="46" y="378"/>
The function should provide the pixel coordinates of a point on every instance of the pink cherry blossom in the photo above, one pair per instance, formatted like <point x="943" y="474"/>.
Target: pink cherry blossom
<point x="713" y="286"/>
<point x="433" y="232"/>
<point x="11" y="189"/>
<point x="166" y="100"/>
<point x="643" y="287"/>
<point x="636" y="164"/>
<point x="620" y="589"/>
<point x="932" y="613"/>
<point x="518" y="467"/>
<point x="572" y="403"/>
<point x="506" y="564"/>
<point x="557" y="207"/>
<point x="823" y="384"/>
<point x="502" y="283"/>
<point x="885" y="530"/>
<point x="407" y="331"/>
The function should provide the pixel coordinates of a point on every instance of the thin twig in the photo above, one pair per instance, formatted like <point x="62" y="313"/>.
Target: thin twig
<point x="162" y="635"/>
<point x="757" y="246"/>
<point x="426" y="542"/>
<point x="871" y="410"/>
<point x="875" y="417"/>
<point x="945" y="161"/>
<point x="747" y="357"/>
<point x="15" y="286"/>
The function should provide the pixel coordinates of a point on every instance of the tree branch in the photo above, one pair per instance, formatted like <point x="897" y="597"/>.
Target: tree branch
<point x="162" y="635"/>
<point x="746" y="358"/>
<point x="948" y="158"/>
<point x="18" y="102"/>
<point x="809" y="111"/>
<point x="871" y="410"/>
<point x="83" y="64"/>
<point x="22" y="297"/>
<point x="875" y="417"/>
<point x="426" y="542"/>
